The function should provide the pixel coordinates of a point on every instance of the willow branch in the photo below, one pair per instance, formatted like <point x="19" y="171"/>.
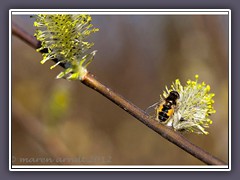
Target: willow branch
<point x="51" y="144"/>
<point x="132" y="109"/>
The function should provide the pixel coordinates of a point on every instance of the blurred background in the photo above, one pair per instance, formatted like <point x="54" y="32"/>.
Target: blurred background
<point x="63" y="122"/>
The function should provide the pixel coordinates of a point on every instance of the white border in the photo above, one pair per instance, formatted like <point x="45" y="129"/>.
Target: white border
<point x="118" y="168"/>
<point x="125" y="11"/>
<point x="10" y="90"/>
<point x="120" y="12"/>
<point x="230" y="89"/>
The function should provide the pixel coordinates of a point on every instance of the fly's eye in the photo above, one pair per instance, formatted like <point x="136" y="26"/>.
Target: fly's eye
<point x="174" y="94"/>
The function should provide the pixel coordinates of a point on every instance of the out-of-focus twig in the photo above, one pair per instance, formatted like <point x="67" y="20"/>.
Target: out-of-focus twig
<point x="139" y="114"/>
<point x="51" y="144"/>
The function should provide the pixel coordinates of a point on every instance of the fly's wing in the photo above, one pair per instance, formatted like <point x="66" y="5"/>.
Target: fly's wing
<point x="151" y="110"/>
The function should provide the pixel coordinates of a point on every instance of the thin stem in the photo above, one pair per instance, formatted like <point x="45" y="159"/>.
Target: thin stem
<point x="139" y="114"/>
<point x="23" y="35"/>
<point x="51" y="143"/>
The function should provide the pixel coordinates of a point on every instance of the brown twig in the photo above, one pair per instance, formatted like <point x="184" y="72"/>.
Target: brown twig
<point x="51" y="144"/>
<point x="139" y="114"/>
